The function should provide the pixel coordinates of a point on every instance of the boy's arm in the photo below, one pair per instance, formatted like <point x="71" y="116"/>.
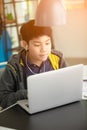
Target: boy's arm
<point x="11" y="89"/>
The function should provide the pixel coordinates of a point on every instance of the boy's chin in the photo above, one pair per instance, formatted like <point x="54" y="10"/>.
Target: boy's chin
<point x="44" y="59"/>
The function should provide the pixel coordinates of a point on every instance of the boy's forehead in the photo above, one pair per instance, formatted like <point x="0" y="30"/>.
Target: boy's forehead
<point x="41" y="39"/>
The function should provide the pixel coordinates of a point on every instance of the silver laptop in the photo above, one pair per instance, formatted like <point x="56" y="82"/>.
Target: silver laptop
<point x="54" y="88"/>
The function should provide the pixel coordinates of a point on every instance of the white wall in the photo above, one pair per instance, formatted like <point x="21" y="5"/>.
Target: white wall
<point x="71" y="38"/>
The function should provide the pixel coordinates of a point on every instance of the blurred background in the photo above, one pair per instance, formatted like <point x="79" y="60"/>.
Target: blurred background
<point x="70" y="38"/>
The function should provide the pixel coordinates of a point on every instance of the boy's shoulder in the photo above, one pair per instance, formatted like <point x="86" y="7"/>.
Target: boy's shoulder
<point x="57" y="53"/>
<point x="15" y="58"/>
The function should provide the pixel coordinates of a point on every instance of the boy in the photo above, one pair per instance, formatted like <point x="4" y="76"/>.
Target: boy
<point x="36" y="57"/>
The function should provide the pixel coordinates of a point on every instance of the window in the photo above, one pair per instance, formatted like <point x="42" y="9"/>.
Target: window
<point x="75" y="4"/>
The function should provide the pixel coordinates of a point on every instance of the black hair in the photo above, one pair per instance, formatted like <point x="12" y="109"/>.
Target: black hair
<point x="29" y="31"/>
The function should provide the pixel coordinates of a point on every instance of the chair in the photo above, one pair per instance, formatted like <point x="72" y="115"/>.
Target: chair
<point x="1" y="71"/>
<point x="2" y="67"/>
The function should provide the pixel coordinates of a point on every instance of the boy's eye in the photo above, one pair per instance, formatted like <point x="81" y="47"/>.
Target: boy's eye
<point x="36" y="45"/>
<point x="47" y="43"/>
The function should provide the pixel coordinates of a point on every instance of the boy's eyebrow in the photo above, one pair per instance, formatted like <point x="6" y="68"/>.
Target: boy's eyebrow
<point x="41" y="42"/>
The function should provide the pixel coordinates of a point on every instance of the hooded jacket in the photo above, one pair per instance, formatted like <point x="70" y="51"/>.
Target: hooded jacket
<point x="13" y="85"/>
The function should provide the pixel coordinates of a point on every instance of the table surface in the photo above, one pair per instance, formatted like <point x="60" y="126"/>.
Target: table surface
<point x="68" y="117"/>
<point x="75" y="60"/>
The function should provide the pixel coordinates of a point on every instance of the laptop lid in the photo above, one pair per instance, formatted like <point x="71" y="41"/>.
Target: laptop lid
<point x="54" y="88"/>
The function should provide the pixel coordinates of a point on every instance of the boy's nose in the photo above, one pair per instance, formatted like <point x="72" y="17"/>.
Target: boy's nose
<point x="43" y="48"/>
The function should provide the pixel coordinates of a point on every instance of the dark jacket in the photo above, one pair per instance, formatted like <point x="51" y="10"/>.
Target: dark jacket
<point x="13" y="81"/>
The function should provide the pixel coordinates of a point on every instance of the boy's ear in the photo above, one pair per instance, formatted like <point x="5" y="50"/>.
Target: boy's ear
<point x="24" y="45"/>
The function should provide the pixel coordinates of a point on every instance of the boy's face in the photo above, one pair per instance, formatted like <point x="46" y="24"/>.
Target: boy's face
<point x="39" y="49"/>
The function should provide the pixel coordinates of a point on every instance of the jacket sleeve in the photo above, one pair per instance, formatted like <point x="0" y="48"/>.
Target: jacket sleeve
<point x="10" y="88"/>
